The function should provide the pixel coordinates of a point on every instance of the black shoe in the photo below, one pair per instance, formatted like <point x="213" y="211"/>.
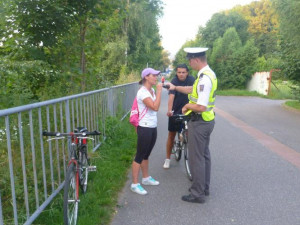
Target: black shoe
<point x="190" y="198"/>
<point x="206" y="192"/>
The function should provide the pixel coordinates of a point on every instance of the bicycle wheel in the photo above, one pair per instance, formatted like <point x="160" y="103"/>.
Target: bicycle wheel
<point x="177" y="148"/>
<point x="83" y="168"/>
<point x="71" y="191"/>
<point x="186" y="161"/>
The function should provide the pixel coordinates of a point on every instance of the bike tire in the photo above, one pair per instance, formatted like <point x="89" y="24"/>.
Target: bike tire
<point x="186" y="162"/>
<point x="83" y="168"/>
<point x="177" y="150"/>
<point x="71" y="199"/>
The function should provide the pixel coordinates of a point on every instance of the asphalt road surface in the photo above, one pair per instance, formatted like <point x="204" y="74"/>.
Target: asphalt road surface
<point x="255" y="180"/>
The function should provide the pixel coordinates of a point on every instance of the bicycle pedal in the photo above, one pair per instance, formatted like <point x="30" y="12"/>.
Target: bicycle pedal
<point x="72" y="200"/>
<point x="92" y="168"/>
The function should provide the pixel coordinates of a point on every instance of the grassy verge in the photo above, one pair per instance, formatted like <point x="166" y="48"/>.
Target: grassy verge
<point x="280" y="90"/>
<point x="113" y="160"/>
<point x="293" y="104"/>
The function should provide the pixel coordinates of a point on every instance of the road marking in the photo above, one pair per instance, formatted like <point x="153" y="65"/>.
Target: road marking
<point x="271" y="143"/>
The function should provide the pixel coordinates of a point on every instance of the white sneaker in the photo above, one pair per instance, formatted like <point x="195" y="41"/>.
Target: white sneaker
<point x="167" y="164"/>
<point x="150" y="181"/>
<point x="138" y="189"/>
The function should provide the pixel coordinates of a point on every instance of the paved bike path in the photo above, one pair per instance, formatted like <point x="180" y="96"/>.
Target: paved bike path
<point x="250" y="184"/>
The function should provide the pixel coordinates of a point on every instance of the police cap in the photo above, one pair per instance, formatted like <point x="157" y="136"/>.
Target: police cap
<point x="193" y="52"/>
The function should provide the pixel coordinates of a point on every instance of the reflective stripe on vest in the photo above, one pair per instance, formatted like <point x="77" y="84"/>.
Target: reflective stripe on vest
<point x="208" y="115"/>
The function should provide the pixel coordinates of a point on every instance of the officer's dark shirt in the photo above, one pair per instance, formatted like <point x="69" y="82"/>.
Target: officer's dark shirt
<point x="181" y="99"/>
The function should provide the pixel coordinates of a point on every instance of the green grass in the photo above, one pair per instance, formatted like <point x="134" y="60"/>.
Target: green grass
<point x="280" y="90"/>
<point x="113" y="160"/>
<point x="293" y="104"/>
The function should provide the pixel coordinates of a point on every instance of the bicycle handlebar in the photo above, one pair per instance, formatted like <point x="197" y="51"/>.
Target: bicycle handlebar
<point x="46" y="133"/>
<point x="181" y="117"/>
<point x="95" y="132"/>
<point x="58" y="134"/>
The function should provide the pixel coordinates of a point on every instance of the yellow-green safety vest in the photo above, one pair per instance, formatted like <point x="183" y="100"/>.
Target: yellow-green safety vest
<point x="209" y="114"/>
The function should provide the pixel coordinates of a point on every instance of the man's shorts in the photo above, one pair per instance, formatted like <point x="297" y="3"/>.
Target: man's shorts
<point x="173" y="125"/>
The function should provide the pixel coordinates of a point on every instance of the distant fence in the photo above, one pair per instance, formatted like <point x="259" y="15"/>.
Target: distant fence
<point x="32" y="169"/>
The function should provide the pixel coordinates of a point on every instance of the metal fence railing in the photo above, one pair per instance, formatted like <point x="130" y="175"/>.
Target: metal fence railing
<point x="32" y="169"/>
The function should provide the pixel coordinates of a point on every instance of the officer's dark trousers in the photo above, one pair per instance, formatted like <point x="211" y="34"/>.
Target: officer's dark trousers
<point x="199" y="155"/>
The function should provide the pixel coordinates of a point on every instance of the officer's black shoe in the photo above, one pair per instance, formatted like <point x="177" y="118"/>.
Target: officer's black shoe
<point x="190" y="198"/>
<point x="206" y="192"/>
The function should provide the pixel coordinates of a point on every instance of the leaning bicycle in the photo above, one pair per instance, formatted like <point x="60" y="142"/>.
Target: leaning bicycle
<point x="77" y="172"/>
<point x="181" y="141"/>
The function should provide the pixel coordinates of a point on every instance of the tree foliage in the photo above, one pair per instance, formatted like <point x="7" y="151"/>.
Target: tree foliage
<point x="289" y="14"/>
<point x="233" y="62"/>
<point x="241" y="41"/>
<point x="23" y="82"/>
<point x="263" y="25"/>
<point x="143" y="36"/>
<point x="41" y="21"/>
<point x="88" y="43"/>
<point x="219" y="23"/>
<point x="166" y="59"/>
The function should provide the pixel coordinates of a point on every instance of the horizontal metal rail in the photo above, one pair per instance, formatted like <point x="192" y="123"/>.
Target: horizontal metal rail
<point x="32" y="170"/>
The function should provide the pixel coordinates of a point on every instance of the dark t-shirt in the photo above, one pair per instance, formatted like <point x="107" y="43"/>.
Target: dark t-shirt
<point x="181" y="99"/>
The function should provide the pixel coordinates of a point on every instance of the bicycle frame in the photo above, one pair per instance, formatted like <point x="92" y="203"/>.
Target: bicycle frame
<point x="181" y="135"/>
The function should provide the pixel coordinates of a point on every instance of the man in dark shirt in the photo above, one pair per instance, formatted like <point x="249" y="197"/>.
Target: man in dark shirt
<point x="175" y="103"/>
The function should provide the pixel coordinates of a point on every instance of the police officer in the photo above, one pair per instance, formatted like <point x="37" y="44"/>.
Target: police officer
<point x="201" y="124"/>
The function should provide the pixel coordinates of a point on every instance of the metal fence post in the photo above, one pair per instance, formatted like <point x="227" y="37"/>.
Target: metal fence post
<point x="110" y="102"/>
<point x="11" y="170"/>
<point x="1" y="215"/>
<point x="23" y="164"/>
<point x="68" y="125"/>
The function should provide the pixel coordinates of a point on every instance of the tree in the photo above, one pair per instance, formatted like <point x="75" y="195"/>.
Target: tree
<point x="263" y="25"/>
<point x="233" y="62"/>
<point x="166" y="59"/>
<point x="219" y="23"/>
<point x="42" y="22"/>
<point x="89" y="43"/>
<point x="143" y="35"/>
<point x="289" y="12"/>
